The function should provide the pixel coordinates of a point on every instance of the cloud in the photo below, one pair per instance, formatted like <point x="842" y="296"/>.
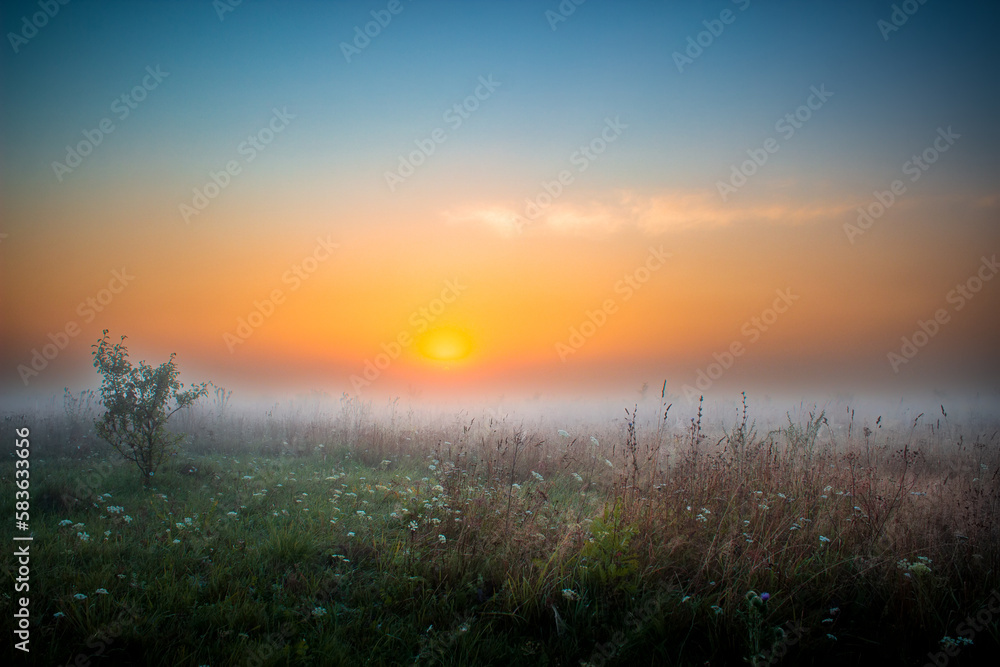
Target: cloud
<point x="653" y="214"/>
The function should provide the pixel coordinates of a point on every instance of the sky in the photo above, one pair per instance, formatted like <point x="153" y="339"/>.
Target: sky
<point x="454" y="199"/>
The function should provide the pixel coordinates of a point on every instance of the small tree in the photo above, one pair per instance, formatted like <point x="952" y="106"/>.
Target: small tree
<point x="136" y="400"/>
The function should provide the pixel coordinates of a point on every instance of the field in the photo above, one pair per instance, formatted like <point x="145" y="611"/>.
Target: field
<point x="326" y="534"/>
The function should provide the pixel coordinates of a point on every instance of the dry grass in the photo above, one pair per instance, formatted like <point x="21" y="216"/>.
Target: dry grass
<point x="525" y="543"/>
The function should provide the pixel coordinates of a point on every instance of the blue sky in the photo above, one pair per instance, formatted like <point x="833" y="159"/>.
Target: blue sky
<point x="605" y="59"/>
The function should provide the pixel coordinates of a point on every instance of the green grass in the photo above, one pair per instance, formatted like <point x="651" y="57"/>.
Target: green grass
<point x="652" y="551"/>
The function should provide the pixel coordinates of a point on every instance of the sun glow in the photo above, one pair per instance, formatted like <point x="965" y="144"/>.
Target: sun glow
<point x="445" y="344"/>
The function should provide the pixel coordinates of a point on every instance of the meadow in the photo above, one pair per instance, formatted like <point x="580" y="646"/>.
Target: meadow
<point x="329" y="533"/>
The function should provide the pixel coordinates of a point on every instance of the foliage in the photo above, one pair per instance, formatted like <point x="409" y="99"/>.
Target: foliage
<point x="137" y="402"/>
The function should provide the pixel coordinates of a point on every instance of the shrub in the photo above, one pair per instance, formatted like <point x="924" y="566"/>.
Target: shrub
<point x="137" y="402"/>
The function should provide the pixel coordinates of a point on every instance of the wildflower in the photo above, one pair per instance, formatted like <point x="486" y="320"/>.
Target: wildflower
<point x="360" y="512"/>
<point x="80" y="596"/>
<point x="823" y="538"/>
<point x="958" y="641"/>
<point x="107" y="533"/>
<point x="442" y="539"/>
<point x="58" y="614"/>
<point x="230" y="513"/>
<point x="537" y="476"/>
<point x="128" y="519"/>
<point x="413" y="526"/>
<point x="350" y="534"/>
<point x="115" y="509"/>
<point x="187" y="520"/>
<point x="831" y="637"/>
<point x="765" y="596"/>
<point x="577" y="477"/>
<point x="66" y="522"/>
<point x="101" y="591"/>
<point x="319" y="611"/>
<point x="716" y="608"/>
<point x="177" y="541"/>
<point x="84" y="537"/>
<point x="570" y="594"/>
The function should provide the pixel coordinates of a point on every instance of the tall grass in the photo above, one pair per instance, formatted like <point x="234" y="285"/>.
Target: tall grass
<point x="328" y="535"/>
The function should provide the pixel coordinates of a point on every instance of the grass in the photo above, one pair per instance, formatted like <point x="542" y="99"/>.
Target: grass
<point x="345" y="539"/>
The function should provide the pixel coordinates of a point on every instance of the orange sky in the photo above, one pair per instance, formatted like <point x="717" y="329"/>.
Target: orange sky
<point x="514" y="298"/>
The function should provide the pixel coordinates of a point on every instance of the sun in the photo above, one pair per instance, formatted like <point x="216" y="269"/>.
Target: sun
<point x="445" y="344"/>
